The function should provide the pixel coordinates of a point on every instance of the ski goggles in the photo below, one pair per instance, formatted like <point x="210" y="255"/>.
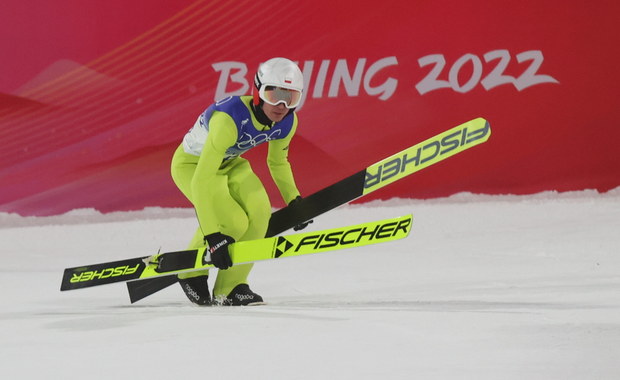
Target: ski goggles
<point x="276" y="95"/>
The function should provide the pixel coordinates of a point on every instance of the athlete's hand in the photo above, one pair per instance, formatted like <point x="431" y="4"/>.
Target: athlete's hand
<point x="218" y="247"/>
<point x="303" y="225"/>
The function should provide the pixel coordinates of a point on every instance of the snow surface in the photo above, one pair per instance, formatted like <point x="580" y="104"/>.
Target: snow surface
<point x="486" y="287"/>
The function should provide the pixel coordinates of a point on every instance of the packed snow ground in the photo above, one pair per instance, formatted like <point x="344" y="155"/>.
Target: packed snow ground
<point x="504" y="287"/>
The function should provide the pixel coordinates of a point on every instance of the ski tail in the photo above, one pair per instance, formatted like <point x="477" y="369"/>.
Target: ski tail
<point x="104" y="273"/>
<point x="139" y="290"/>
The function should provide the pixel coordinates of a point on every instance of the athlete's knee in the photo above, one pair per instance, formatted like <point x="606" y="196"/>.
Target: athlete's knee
<point x="258" y="221"/>
<point x="236" y="227"/>
<point x="259" y="213"/>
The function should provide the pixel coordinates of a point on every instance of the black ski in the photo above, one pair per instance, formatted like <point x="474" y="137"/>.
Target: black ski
<point x="373" y="177"/>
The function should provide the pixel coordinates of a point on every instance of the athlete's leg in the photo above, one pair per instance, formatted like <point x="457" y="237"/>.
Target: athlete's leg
<point x="242" y="209"/>
<point x="182" y="170"/>
<point x="231" y="217"/>
<point x="249" y="193"/>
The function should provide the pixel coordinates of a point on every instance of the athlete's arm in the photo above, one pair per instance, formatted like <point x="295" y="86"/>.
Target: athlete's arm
<point x="280" y="167"/>
<point x="222" y="135"/>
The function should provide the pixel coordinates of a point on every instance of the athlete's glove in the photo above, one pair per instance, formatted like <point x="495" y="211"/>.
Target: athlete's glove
<point x="303" y="225"/>
<point x="218" y="247"/>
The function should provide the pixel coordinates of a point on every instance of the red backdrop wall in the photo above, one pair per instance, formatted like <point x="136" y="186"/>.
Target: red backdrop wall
<point x="95" y="96"/>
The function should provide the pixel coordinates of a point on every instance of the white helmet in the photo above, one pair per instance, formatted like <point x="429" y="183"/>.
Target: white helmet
<point x="279" y="80"/>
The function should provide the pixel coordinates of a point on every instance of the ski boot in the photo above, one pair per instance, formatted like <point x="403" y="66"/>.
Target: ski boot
<point x="197" y="289"/>
<point x="241" y="295"/>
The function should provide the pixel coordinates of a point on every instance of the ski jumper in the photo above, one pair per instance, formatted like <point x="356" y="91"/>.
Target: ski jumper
<point x="227" y="195"/>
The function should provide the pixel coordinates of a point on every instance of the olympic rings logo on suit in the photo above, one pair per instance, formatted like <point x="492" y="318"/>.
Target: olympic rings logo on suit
<point x="247" y="141"/>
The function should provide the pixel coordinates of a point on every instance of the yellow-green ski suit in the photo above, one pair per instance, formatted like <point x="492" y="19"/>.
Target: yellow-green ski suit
<point x="227" y="195"/>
